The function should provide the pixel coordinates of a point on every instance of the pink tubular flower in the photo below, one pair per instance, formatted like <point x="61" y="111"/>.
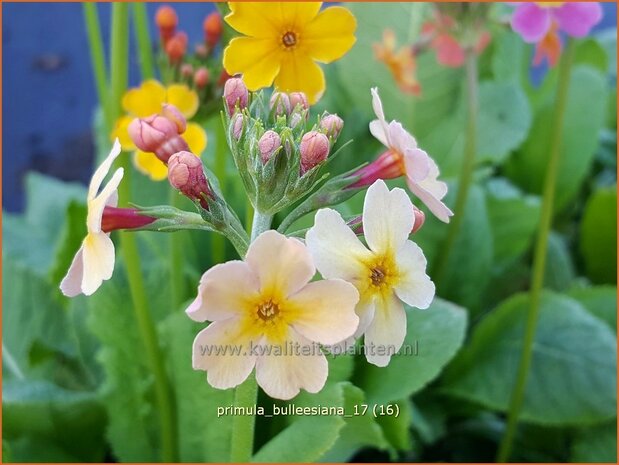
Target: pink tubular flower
<point x="267" y="307"/>
<point x="115" y="218"/>
<point x="533" y="21"/>
<point x="404" y="158"/>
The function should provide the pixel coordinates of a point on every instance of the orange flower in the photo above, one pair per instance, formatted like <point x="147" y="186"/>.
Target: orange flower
<point x="549" y="47"/>
<point x="401" y="63"/>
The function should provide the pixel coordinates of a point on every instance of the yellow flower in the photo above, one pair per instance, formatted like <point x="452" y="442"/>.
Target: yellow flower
<point x="146" y="100"/>
<point x="284" y="41"/>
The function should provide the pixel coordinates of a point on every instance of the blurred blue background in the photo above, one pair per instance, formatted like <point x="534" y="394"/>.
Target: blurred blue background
<point x="48" y="89"/>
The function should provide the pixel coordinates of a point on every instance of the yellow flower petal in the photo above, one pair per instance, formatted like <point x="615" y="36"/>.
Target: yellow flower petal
<point x="196" y="138"/>
<point x="121" y="131"/>
<point x="150" y="165"/>
<point x="255" y="19"/>
<point x="183" y="98"/>
<point x="299" y="73"/>
<point x="144" y="100"/>
<point x="296" y="15"/>
<point x="330" y="35"/>
<point x="258" y="60"/>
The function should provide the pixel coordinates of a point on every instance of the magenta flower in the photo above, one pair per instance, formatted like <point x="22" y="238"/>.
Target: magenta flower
<point x="533" y="21"/>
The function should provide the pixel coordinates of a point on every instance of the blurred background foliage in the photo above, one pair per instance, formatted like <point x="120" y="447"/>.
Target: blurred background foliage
<point x="76" y="384"/>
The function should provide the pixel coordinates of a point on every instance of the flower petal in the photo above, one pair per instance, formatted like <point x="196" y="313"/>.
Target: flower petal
<point x="281" y="263"/>
<point x="223" y="349"/>
<point x="577" y="18"/>
<point x="196" y="138"/>
<point x="385" y="335"/>
<point x="449" y="52"/>
<point x="414" y="286"/>
<point x="255" y="19"/>
<point x="365" y="311"/>
<point x="71" y="284"/>
<point x="336" y="250"/>
<point x="105" y="197"/>
<point x="145" y="100"/>
<point x="377" y="105"/>
<point x="224" y="291"/>
<point x="388" y="217"/>
<point x="102" y="171"/>
<point x="183" y="98"/>
<point x="147" y="163"/>
<point x="531" y="22"/>
<point x="300" y="366"/>
<point x="258" y="60"/>
<point x="121" y="131"/>
<point x="430" y="191"/>
<point x="98" y="261"/>
<point x="417" y="164"/>
<point x="326" y="311"/>
<point x="377" y="129"/>
<point x="330" y="34"/>
<point x="299" y="73"/>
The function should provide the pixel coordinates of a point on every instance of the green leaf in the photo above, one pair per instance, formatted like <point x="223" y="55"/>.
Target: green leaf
<point x="359" y="432"/>
<point x="600" y="301"/>
<point x="397" y="428"/>
<point x="574" y="355"/>
<point x="70" y="240"/>
<point x="203" y="437"/>
<point x="589" y="51"/>
<point x="559" y="273"/>
<point x="513" y="218"/>
<point x="510" y="53"/>
<point x="584" y="118"/>
<point x="307" y="438"/>
<point x="437" y="333"/>
<point x="598" y="236"/>
<point x="597" y="444"/>
<point x="73" y="420"/>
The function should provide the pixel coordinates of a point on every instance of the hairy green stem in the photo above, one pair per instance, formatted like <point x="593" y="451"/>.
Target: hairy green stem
<point x="177" y="263"/>
<point x="146" y="325"/>
<point x="140" y="22"/>
<point x="218" y="242"/>
<point x="246" y="394"/>
<point x="539" y="255"/>
<point x="97" y="56"/>
<point x="466" y="171"/>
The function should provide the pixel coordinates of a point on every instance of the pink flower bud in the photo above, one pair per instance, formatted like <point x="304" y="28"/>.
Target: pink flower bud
<point x="201" y="50"/>
<point x="280" y="103"/>
<point x="332" y="125"/>
<point x="237" y="126"/>
<point x="268" y="144"/>
<point x="185" y="173"/>
<point x="420" y="218"/>
<point x="149" y="133"/>
<point x="123" y="218"/>
<point x="314" y="150"/>
<point x="200" y="79"/>
<point x="298" y="98"/>
<point x="176" y="47"/>
<point x="235" y="93"/>
<point x="173" y="114"/>
<point x="186" y="70"/>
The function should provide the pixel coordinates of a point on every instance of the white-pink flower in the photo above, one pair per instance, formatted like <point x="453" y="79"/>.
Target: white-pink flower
<point x="94" y="261"/>
<point x="389" y="271"/>
<point x="265" y="313"/>
<point x="404" y="158"/>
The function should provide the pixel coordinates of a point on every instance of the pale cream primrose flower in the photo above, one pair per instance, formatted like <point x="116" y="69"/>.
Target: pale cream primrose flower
<point x="94" y="261"/>
<point x="266" y="309"/>
<point x="389" y="271"/>
<point x="420" y="170"/>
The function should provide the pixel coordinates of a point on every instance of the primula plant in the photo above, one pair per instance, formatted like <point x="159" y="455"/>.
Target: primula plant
<point x="387" y="234"/>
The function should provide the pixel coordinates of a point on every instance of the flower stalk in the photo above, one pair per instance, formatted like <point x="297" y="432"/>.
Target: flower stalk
<point x="246" y="394"/>
<point x="467" y="169"/>
<point x="142" y="35"/>
<point x="218" y="242"/>
<point x="539" y="256"/>
<point x="97" y="56"/>
<point x="146" y="325"/>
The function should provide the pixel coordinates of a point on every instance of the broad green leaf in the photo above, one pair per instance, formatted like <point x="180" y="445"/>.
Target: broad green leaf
<point x="574" y="355"/>
<point x="509" y="56"/>
<point x="513" y="217"/>
<point x="598" y="236"/>
<point x="73" y="420"/>
<point x="584" y="117"/>
<point x="437" y="333"/>
<point x="359" y="432"/>
<point x="203" y="437"/>
<point x="599" y="300"/>
<point x="589" y="51"/>
<point x="559" y="273"/>
<point x="307" y="438"/>
<point x="397" y="428"/>
<point x="597" y="444"/>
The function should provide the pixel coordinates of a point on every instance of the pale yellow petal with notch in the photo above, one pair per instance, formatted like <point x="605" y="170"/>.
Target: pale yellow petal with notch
<point x="196" y="138"/>
<point x="144" y="100"/>
<point x="183" y="98"/>
<point x="150" y="165"/>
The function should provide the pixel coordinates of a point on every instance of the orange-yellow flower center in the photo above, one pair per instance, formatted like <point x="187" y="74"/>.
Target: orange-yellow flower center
<point x="382" y="274"/>
<point x="267" y="310"/>
<point x="289" y="39"/>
